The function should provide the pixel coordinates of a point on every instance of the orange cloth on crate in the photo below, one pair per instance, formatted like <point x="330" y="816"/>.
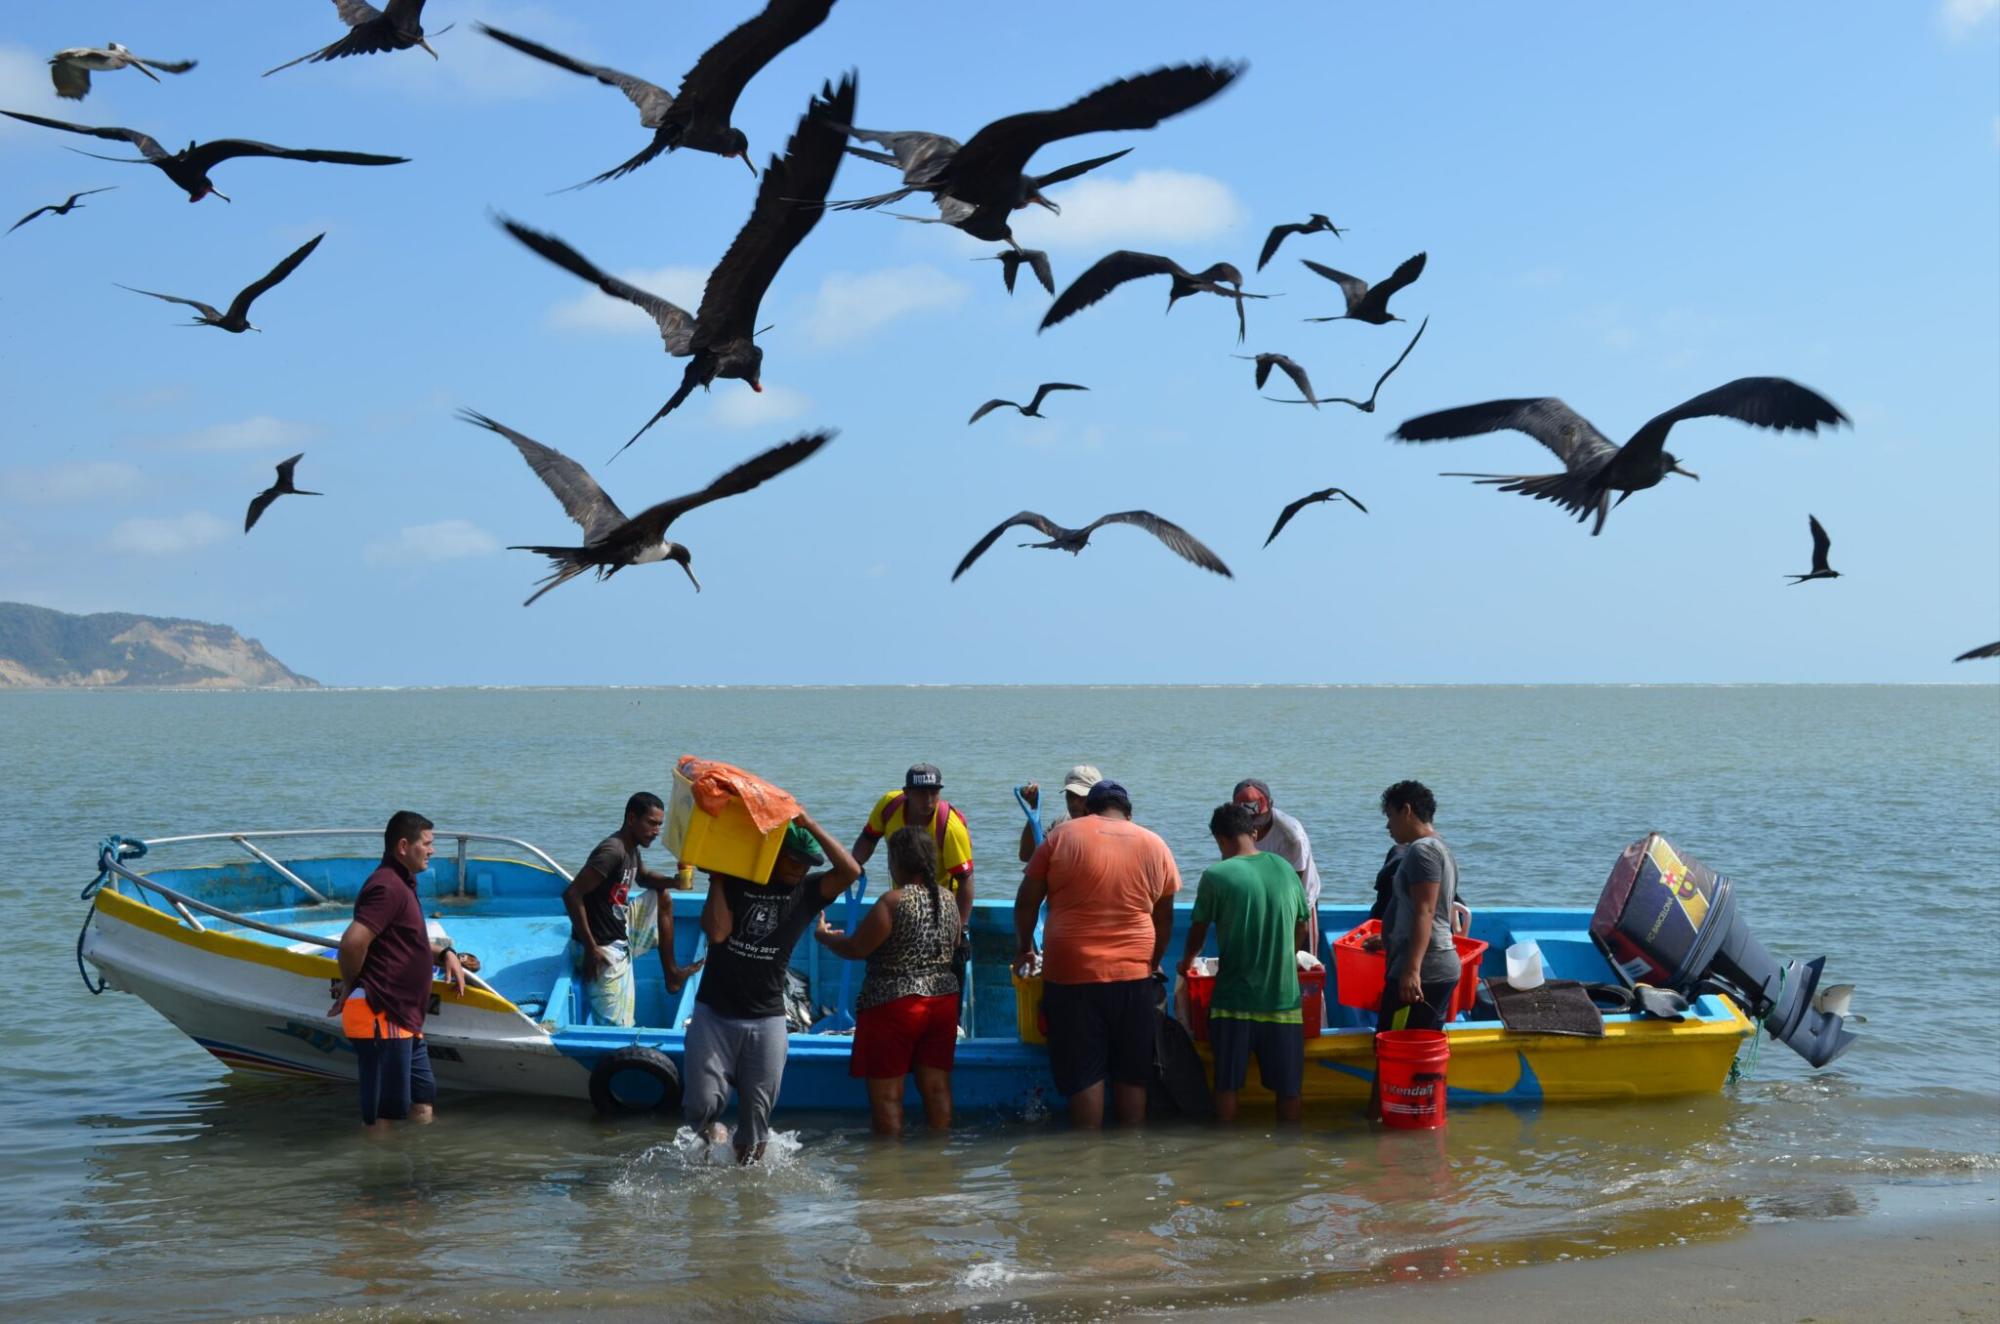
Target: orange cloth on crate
<point x="716" y="784"/>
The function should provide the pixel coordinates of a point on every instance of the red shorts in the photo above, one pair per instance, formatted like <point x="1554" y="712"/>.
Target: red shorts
<point x="892" y="1039"/>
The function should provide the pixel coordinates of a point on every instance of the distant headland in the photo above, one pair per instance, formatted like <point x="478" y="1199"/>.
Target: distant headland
<point x="45" y="649"/>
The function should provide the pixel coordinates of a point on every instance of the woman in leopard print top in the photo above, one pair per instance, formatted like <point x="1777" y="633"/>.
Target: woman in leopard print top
<point x="906" y="1016"/>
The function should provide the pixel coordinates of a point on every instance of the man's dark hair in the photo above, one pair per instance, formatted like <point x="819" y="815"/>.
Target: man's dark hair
<point x="642" y="803"/>
<point x="1412" y="795"/>
<point x="404" y="825"/>
<point x="1232" y="820"/>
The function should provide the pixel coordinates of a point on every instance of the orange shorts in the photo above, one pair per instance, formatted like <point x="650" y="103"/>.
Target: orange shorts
<point x="358" y="1020"/>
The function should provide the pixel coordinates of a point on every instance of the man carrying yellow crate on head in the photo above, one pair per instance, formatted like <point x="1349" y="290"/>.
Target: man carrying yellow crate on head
<point x="920" y="804"/>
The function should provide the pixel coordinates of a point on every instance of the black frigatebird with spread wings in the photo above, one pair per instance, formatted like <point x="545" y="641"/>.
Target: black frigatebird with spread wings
<point x="1178" y="540"/>
<point x="979" y="183"/>
<point x="283" y="487"/>
<point x="1820" y="569"/>
<point x="1983" y="651"/>
<point x="1314" y="224"/>
<point x="1311" y="498"/>
<point x="1365" y="302"/>
<point x="611" y="540"/>
<point x="1593" y="468"/>
<point x="65" y="208"/>
<point x="1114" y="269"/>
<point x="789" y="203"/>
<point x="1291" y="369"/>
<point x="1033" y="409"/>
<point x="371" y="31"/>
<point x="237" y="319"/>
<point x="1010" y="260"/>
<point x="696" y="117"/>
<point x="189" y="168"/>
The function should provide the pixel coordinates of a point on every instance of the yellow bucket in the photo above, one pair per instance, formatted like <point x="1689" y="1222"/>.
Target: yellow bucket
<point x="1028" y="1008"/>
<point x="727" y="842"/>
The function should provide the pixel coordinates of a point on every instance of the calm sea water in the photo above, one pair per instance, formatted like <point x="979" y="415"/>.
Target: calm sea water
<point x="141" y="1182"/>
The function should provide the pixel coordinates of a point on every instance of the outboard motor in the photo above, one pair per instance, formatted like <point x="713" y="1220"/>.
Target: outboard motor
<point x="1667" y="920"/>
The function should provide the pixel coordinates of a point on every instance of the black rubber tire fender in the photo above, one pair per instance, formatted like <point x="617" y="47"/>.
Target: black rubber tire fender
<point x="635" y="1079"/>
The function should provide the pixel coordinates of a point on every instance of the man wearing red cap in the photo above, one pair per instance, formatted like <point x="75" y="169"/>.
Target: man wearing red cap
<point x="1279" y="834"/>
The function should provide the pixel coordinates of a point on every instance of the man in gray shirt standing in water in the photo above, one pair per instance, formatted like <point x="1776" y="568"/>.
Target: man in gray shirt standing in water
<point x="1416" y="923"/>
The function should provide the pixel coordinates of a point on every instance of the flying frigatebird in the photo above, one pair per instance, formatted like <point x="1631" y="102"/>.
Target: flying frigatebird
<point x="1314" y="224"/>
<point x="237" y="319"/>
<point x="1311" y="498"/>
<point x="1178" y="540"/>
<point x="1033" y="409"/>
<point x="1365" y="302"/>
<point x="1983" y="651"/>
<point x="1291" y="369"/>
<point x="189" y="168"/>
<point x="676" y="323"/>
<point x="696" y="117"/>
<point x="70" y="69"/>
<point x="59" y="208"/>
<point x="1820" y="569"/>
<point x="612" y="541"/>
<point x="371" y="31"/>
<point x="788" y="205"/>
<point x="1593" y="468"/>
<point x="283" y="487"/>
<point x="1114" y="269"/>
<point x="979" y="183"/>
<point x="1010" y="260"/>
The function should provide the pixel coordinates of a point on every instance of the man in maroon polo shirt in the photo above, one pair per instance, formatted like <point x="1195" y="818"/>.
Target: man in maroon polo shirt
<point x="385" y="980"/>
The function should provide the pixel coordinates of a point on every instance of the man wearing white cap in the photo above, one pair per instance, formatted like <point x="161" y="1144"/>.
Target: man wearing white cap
<point x="1076" y="785"/>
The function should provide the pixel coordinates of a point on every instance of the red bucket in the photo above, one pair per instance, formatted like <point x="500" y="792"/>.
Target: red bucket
<point x="1312" y="1002"/>
<point x="1410" y="1071"/>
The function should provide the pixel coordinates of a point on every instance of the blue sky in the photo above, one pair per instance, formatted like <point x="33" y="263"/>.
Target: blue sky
<point x="1622" y="207"/>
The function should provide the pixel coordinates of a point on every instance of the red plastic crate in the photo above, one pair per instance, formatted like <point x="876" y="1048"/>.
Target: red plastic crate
<point x="1360" y="976"/>
<point x="1312" y="1002"/>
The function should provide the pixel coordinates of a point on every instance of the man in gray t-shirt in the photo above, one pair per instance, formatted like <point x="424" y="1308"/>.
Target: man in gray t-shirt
<point x="1423" y="967"/>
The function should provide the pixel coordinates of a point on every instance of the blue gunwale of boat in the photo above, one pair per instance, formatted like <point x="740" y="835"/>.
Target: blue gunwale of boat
<point x="511" y="915"/>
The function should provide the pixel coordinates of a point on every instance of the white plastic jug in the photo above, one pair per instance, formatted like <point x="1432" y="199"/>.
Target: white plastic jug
<point x="1524" y="964"/>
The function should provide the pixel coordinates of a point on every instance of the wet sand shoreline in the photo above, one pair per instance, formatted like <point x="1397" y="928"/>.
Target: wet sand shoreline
<point x="1925" y="1253"/>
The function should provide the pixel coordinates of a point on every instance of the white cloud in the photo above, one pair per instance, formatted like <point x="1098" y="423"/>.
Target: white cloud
<point x="258" y="432"/>
<point x="1962" y="16"/>
<point x="737" y="406"/>
<point x="446" y="540"/>
<point x="61" y="484"/>
<point x="1153" y="206"/>
<point x="849" y="305"/>
<point x="24" y="85"/>
<point x="170" y="536"/>
<point x="594" y="310"/>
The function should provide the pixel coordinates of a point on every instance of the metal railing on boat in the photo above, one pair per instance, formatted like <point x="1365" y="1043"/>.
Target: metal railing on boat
<point x="110" y="864"/>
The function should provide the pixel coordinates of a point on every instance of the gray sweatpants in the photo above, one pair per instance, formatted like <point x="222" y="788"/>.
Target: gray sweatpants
<point x="723" y="1052"/>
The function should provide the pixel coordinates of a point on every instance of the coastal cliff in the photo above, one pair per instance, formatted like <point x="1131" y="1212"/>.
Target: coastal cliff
<point x="42" y="648"/>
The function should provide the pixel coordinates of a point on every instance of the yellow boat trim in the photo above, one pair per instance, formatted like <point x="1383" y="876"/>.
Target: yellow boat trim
<point x="112" y="905"/>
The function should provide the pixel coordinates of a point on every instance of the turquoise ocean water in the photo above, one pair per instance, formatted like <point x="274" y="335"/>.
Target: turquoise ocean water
<point x="142" y="1182"/>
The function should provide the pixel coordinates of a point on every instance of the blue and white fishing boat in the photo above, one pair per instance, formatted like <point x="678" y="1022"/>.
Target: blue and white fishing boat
<point x="237" y="953"/>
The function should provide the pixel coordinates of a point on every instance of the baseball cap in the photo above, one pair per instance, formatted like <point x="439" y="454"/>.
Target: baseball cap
<point x="1107" y="793"/>
<point x="923" y="777"/>
<point x="1079" y="780"/>
<point x="801" y="843"/>
<point x="1255" y="796"/>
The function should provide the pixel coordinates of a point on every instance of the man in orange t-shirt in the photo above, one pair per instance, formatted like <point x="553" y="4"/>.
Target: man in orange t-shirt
<point x="1110" y="886"/>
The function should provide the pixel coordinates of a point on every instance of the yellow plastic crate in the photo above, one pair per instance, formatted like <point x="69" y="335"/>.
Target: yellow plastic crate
<point x="1028" y="1008"/>
<point x="719" y="843"/>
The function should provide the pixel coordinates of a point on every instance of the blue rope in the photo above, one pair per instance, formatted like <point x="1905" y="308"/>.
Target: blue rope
<point x="114" y="849"/>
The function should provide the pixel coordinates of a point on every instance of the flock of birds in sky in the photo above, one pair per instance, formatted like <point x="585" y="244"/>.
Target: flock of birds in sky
<point x="976" y="186"/>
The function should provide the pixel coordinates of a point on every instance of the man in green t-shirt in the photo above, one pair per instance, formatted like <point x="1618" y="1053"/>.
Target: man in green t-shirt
<point x="1261" y="921"/>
